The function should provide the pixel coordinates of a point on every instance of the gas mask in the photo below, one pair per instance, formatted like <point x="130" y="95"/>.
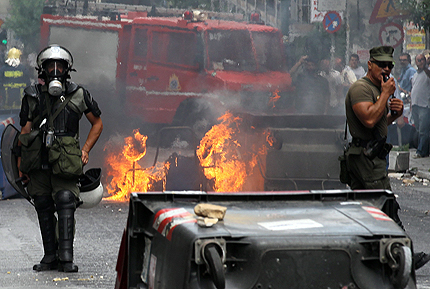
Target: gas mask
<point x="55" y="72"/>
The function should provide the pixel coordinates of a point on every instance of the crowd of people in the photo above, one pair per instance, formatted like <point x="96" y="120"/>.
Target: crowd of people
<point x="324" y="75"/>
<point x="321" y="87"/>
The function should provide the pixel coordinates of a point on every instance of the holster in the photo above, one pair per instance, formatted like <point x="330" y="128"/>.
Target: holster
<point x="377" y="148"/>
<point x="386" y="148"/>
<point x="344" y="175"/>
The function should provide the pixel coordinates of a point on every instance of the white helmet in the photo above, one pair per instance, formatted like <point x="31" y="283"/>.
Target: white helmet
<point x="53" y="65"/>
<point x="91" y="188"/>
<point x="55" y="52"/>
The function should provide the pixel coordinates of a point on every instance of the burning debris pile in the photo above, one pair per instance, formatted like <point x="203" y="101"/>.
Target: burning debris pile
<point x="227" y="156"/>
<point x="224" y="158"/>
<point x="125" y="175"/>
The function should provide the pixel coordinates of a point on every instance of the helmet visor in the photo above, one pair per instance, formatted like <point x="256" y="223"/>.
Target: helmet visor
<point x="55" y="68"/>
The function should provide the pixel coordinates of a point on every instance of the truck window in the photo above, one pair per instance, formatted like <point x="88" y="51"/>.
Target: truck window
<point x="140" y="43"/>
<point x="175" y="48"/>
<point x="230" y="50"/>
<point x="269" y="51"/>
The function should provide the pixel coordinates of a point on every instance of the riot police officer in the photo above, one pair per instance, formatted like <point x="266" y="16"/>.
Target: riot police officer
<point x="51" y="159"/>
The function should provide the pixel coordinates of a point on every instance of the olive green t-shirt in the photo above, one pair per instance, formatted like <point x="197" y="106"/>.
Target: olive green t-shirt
<point x="363" y="90"/>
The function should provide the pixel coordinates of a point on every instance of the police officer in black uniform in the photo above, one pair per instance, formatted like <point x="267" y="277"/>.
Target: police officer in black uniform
<point x="51" y="159"/>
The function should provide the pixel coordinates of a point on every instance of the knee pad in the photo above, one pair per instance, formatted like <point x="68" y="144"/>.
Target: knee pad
<point x="44" y="203"/>
<point x="65" y="199"/>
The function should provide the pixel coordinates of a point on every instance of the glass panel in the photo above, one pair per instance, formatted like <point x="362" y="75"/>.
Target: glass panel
<point x="230" y="50"/>
<point x="140" y="43"/>
<point x="269" y="51"/>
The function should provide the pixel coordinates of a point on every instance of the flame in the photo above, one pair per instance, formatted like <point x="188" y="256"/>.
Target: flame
<point x="228" y="156"/>
<point x="274" y="98"/>
<point x="125" y="174"/>
<point x="224" y="159"/>
<point x="270" y="139"/>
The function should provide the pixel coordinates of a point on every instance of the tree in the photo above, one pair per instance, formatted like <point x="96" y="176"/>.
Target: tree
<point x="418" y="11"/>
<point x="24" y="20"/>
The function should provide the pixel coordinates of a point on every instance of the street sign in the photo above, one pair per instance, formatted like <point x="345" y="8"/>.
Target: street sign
<point x="386" y="8"/>
<point x="391" y="34"/>
<point x="332" y="21"/>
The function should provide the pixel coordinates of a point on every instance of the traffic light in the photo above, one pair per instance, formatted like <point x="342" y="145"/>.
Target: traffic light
<point x="3" y="37"/>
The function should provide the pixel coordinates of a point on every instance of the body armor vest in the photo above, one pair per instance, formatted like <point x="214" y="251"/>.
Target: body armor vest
<point x="67" y="121"/>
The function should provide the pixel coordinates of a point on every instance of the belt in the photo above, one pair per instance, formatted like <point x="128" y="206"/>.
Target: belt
<point x="60" y="134"/>
<point x="359" y="142"/>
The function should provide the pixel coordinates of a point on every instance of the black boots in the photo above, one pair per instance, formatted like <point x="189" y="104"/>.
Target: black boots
<point x="45" y="212"/>
<point x="420" y="259"/>
<point x="66" y="206"/>
<point x="58" y="255"/>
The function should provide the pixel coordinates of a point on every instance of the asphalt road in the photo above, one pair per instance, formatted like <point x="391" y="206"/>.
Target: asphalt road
<point x="97" y="240"/>
<point x="414" y="201"/>
<point x="99" y="231"/>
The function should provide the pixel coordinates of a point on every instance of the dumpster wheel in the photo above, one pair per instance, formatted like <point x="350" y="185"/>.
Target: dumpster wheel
<point x="214" y="264"/>
<point x="400" y="262"/>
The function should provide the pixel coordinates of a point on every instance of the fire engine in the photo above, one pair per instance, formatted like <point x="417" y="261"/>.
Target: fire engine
<point x="173" y="70"/>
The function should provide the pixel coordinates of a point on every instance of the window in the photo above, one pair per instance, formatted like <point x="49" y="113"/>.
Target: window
<point x="306" y="11"/>
<point x="175" y="47"/>
<point x="301" y="11"/>
<point x="140" y="43"/>
<point x="182" y="49"/>
<point x="269" y="51"/>
<point x="230" y="50"/>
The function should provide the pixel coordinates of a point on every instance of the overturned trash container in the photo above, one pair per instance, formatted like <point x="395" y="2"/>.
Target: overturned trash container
<point x="313" y="239"/>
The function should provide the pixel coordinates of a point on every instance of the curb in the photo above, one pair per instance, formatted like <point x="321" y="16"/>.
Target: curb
<point x="423" y="174"/>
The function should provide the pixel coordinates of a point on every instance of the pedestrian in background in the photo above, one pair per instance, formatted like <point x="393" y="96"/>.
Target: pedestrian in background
<point x="312" y="93"/>
<point x="406" y="74"/>
<point x="335" y="82"/>
<point x="420" y="100"/>
<point x="354" y="71"/>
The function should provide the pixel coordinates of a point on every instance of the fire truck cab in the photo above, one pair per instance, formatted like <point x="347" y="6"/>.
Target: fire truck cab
<point x="174" y="70"/>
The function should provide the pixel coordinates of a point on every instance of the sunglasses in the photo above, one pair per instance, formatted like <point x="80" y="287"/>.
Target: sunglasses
<point x="383" y="64"/>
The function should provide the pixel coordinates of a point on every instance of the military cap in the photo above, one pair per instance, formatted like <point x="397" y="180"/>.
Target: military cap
<point x="382" y="53"/>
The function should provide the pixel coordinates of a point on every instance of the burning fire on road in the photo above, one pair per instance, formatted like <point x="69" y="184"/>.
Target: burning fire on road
<point x="125" y="175"/>
<point x="228" y="156"/>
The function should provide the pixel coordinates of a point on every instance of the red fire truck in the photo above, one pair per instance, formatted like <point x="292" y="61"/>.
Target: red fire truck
<point x="173" y="70"/>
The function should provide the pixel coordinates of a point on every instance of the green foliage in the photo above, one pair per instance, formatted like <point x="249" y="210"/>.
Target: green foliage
<point x="418" y="12"/>
<point x="403" y="148"/>
<point x="24" y="20"/>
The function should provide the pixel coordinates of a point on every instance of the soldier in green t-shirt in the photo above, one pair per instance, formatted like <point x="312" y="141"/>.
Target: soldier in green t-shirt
<point x="369" y="111"/>
<point x="368" y="117"/>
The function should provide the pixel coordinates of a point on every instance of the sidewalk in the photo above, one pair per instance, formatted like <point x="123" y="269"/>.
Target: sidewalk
<point x="420" y="166"/>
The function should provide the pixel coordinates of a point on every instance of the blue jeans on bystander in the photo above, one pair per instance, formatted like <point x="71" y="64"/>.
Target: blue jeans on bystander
<point x="421" y="117"/>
